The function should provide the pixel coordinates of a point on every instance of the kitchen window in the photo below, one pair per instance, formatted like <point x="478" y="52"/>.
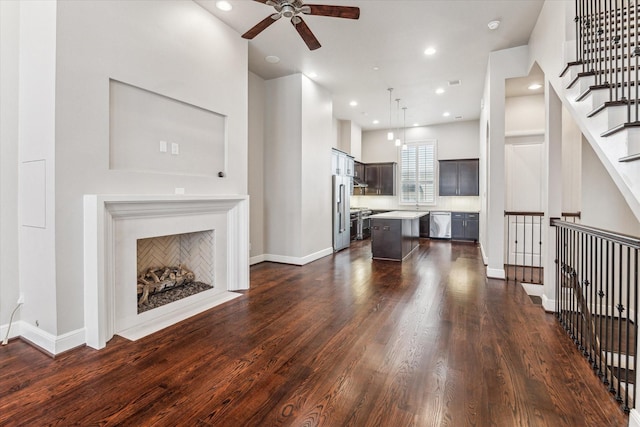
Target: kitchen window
<point x="418" y="171"/>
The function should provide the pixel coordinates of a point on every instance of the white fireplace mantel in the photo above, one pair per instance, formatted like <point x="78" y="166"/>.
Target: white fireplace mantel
<point x="103" y="217"/>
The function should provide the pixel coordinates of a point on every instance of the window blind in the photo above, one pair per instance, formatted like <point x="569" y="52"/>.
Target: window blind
<point x="418" y="173"/>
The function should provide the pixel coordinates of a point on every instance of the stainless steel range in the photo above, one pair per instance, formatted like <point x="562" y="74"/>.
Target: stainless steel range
<point x="360" y="223"/>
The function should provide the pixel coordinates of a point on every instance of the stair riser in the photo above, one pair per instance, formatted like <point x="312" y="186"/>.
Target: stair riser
<point x="610" y="117"/>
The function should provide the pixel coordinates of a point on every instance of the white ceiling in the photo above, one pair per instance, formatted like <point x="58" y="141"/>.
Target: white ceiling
<point x="392" y="36"/>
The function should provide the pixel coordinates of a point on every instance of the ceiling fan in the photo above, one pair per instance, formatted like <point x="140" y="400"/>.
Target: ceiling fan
<point x="292" y="9"/>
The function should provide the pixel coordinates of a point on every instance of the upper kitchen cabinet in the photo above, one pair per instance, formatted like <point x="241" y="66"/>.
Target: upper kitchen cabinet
<point x="341" y="163"/>
<point x="380" y="179"/>
<point x="459" y="177"/>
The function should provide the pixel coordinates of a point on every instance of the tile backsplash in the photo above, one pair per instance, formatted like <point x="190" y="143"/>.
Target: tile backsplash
<point x="463" y="204"/>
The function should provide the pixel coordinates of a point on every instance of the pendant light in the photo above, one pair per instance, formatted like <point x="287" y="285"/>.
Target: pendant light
<point x="404" y="128"/>
<point x="398" y="140"/>
<point x="390" y="133"/>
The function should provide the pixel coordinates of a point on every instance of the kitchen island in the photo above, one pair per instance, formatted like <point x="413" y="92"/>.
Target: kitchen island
<point x="395" y="234"/>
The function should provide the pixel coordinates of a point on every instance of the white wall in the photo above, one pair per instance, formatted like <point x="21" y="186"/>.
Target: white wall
<point x="350" y="138"/>
<point x="571" y="164"/>
<point x="524" y="114"/>
<point x="503" y="64"/>
<point x="9" y="279"/>
<point x="37" y="172"/>
<point x="283" y="171"/>
<point x="603" y="206"/>
<point x="524" y="138"/>
<point x="299" y="130"/>
<point x="458" y="140"/>
<point x="256" y="163"/>
<point x="72" y="49"/>
<point x="316" y="211"/>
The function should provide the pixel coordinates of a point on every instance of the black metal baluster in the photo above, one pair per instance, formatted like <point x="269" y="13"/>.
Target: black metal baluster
<point x="540" y="270"/>
<point x="612" y="47"/>
<point x="600" y="295"/>
<point x="620" y="309"/>
<point x="636" y="53"/>
<point x="508" y="246"/>
<point x="616" y="40"/>
<point x="612" y="383"/>
<point x="608" y="332"/>
<point x="584" y="288"/>
<point x="628" y="328"/>
<point x="628" y="58"/>
<point x="635" y="299"/>
<point x="524" y="245"/>
<point x="591" y="306"/>
<point x="532" y="248"/>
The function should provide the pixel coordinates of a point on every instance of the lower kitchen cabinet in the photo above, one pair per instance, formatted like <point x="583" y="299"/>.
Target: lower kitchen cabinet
<point x="465" y="226"/>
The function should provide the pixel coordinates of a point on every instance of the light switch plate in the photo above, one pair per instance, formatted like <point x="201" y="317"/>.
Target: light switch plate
<point x="175" y="148"/>
<point x="163" y="146"/>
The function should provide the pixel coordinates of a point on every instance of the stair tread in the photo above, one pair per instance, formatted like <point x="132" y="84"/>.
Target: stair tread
<point x="619" y="128"/>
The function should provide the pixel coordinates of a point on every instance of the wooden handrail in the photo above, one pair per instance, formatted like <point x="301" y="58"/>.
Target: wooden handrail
<point x="515" y="213"/>
<point x="625" y="239"/>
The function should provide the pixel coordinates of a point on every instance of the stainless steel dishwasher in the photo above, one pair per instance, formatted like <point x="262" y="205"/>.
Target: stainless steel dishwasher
<point x="440" y="225"/>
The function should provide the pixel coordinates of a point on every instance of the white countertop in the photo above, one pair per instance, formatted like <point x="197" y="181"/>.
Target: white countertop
<point x="399" y="215"/>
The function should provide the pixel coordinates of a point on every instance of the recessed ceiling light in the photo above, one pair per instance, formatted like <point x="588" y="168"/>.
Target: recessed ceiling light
<point x="415" y="124"/>
<point x="353" y="103"/>
<point x="272" y="59"/>
<point x="535" y="86"/>
<point x="430" y="51"/>
<point x="446" y="114"/>
<point x="439" y="91"/>
<point x="313" y="75"/>
<point x="376" y="68"/>
<point x="375" y="122"/>
<point x="493" y="25"/>
<point x="224" y="5"/>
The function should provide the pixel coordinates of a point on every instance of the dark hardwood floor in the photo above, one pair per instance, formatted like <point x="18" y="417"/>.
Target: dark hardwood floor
<point x="343" y="341"/>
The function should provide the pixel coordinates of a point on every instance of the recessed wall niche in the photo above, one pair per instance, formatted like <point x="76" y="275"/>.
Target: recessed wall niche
<point x="149" y="132"/>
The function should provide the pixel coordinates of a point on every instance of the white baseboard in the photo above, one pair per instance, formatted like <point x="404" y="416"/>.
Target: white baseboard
<point x="257" y="259"/>
<point x="50" y="343"/>
<point x="485" y="258"/>
<point x="496" y="273"/>
<point x="13" y="332"/>
<point x="634" y="418"/>
<point x="533" y="289"/>
<point x="549" y="304"/>
<point x="298" y="260"/>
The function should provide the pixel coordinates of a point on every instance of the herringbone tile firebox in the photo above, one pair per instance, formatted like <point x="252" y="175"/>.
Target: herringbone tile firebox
<point x="193" y="250"/>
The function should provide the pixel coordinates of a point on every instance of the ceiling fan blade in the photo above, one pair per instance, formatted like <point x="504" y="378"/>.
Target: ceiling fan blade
<point x="262" y="1"/>
<point x="347" y="12"/>
<point x="306" y="34"/>
<point x="259" y="27"/>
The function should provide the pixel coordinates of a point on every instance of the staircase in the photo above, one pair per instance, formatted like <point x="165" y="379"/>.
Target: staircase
<point x="597" y="271"/>
<point x="600" y="87"/>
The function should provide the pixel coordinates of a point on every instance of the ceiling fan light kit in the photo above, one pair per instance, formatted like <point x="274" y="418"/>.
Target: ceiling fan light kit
<point x="292" y="9"/>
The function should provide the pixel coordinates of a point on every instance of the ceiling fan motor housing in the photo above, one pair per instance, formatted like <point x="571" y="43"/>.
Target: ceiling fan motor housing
<point x="288" y="11"/>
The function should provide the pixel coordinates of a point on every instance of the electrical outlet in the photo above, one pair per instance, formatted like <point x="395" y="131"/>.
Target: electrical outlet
<point x="21" y="298"/>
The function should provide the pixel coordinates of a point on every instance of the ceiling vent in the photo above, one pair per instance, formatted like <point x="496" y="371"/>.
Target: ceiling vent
<point x="455" y="82"/>
<point x="458" y="117"/>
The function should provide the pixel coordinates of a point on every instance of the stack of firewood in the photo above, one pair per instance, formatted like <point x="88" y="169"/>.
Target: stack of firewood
<point x="160" y="279"/>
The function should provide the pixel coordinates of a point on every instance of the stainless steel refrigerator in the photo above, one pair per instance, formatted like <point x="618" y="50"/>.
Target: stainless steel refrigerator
<point x="341" y="212"/>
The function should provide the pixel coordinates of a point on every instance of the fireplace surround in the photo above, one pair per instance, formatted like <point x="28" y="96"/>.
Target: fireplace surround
<point x="112" y="226"/>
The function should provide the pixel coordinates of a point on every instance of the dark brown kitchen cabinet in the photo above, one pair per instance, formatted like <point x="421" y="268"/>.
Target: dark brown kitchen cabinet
<point x="465" y="226"/>
<point x="459" y="177"/>
<point x="380" y="179"/>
